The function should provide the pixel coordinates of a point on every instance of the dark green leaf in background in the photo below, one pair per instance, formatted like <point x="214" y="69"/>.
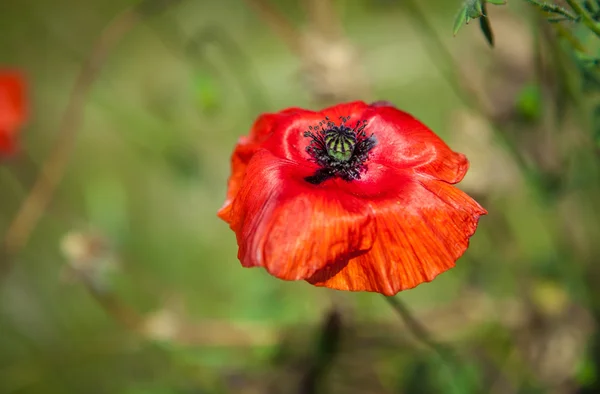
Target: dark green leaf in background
<point x="486" y="28"/>
<point x="473" y="9"/>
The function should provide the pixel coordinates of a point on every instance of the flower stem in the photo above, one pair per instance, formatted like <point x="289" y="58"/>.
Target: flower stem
<point x="236" y="56"/>
<point x="279" y="23"/>
<point x="328" y="347"/>
<point x="53" y="169"/>
<point x="418" y="330"/>
<point x="585" y="16"/>
<point x="447" y="355"/>
<point x="439" y="53"/>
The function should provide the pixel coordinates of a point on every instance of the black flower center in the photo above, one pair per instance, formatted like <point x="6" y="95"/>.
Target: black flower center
<point x="341" y="151"/>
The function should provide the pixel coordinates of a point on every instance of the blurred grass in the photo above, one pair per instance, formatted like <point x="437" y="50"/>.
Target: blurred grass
<point x="149" y="172"/>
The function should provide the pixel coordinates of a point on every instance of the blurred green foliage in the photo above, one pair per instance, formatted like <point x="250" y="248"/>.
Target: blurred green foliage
<point x="149" y="173"/>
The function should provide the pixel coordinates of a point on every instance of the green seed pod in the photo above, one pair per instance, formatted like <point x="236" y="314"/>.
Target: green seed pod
<point x="340" y="145"/>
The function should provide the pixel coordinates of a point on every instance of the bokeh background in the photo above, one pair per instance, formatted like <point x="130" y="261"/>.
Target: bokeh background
<point x="129" y="283"/>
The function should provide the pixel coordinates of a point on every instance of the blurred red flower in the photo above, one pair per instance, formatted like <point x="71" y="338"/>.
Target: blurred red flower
<point x="13" y="109"/>
<point x="354" y="197"/>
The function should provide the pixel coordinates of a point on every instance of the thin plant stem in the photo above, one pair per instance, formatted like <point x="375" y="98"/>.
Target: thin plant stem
<point x="418" y="330"/>
<point x="444" y="61"/>
<point x="53" y="169"/>
<point x="568" y="35"/>
<point x="328" y="347"/>
<point x="235" y="56"/>
<point x="585" y="16"/>
<point x="439" y="53"/>
<point x="555" y="9"/>
<point x="447" y="355"/>
<point x="324" y="18"/>
<point x="279" y="23"/>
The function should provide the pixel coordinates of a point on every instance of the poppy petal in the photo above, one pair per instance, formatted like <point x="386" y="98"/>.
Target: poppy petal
<point x="385" y="219"/>
<point x="245" y="149"/>
<point x="12" y="109"/>
<point x="404" y="142"/>
<point x="12" y="101"/>
<point x="7" y="143"/>
<point x="415" y="242"/>
<point x="289" y="142"/>
<point x="294" y="228"/>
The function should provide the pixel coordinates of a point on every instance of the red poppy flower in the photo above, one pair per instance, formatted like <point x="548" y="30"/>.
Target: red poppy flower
<point x="12" y="110"/>
<point x="355" y="197"/>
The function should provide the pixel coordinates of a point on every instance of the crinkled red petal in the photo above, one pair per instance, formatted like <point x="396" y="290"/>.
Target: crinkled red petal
<point x="288" y="140"/>
<point x="403" y="142"/>
<point x="399" y="225"/>
<point x="245" y="149"/>
<point x="421" y="232"/>
<point x="406" y="143"/>
<point x="294" y="228"/>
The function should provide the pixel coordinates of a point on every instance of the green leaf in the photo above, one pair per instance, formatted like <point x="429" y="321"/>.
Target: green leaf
<point x="486" y="28"/>
<point x="473" y="9"/>
<point x="460" y="20"/>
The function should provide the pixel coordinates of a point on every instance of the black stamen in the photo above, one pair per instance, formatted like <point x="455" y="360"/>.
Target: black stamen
<point x="339" y="150"/>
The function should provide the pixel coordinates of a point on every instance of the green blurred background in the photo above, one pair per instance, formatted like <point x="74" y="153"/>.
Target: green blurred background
<point x="130" y="283"/>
